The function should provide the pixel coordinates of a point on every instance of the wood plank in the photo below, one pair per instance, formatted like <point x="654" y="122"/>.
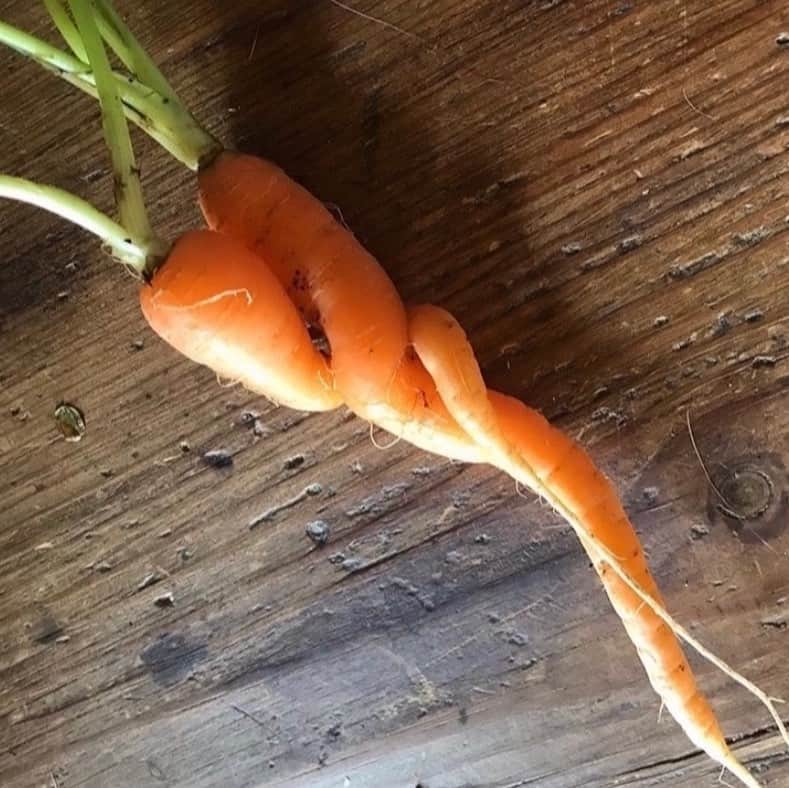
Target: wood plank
<point x="598" y="191"/>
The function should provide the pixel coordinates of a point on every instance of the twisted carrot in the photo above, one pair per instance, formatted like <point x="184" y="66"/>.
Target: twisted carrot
<point x="237" y="300"/>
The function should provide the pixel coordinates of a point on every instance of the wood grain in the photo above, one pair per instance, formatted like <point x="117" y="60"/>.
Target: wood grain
<point x="598" y="191"/>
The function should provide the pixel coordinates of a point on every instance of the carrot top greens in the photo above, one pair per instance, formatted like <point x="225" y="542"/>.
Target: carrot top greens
<point x="151" y="105"/>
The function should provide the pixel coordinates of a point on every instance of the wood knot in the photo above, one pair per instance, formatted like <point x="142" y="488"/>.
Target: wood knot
<point x="750" y="496"/>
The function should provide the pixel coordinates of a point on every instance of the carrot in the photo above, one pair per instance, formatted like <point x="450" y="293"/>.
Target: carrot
<point x="522" y="443"/>
<point x="219" y="305"/>
<point x="242" y="298"/>
<point x="337" y="285"/>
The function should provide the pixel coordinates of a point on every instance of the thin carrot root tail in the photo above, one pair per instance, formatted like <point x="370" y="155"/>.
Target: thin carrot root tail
<point x="522" y="443"/>
<point x="739" y="771"/>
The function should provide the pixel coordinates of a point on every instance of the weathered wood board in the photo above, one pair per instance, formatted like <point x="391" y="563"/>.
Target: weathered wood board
<point x="598" y="190"/>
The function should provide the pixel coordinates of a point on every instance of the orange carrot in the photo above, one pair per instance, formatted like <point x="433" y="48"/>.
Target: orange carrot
<point x="219" y="305"/>
<point x="336" y="284"/>
<point x="522" y="443"/>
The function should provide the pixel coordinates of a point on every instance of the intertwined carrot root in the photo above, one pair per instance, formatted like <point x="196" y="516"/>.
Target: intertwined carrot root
<point x="278" y="261"/>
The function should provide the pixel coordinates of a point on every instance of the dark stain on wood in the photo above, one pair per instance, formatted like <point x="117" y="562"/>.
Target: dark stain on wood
<point x="172" y="657"/>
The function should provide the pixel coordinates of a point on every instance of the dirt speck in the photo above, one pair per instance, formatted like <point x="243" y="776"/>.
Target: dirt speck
<point x="605" y="414"/>
<point x="165" y="600"/>
<point x="334" y="731"/>
<point x="629" y="244"/>
<point x="751" y="238"/>
<point x="184" y="553"/>
<point x="753" y="315"/>
<point x="699" y="531"/>
<point x="516" y="638"/>
<point x="318" y="531"/>
<point x="218" y="458"/>
<point x="650" y="495"/>
<point x="780" y="621"/>
<point x="722" y="325"/>
<point x="571" y="248"/>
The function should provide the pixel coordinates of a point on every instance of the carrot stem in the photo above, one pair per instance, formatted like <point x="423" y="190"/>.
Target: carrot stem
<point x="186" y="131"/>
<point x="171" y="126"/>
<point x="42" y="52"/>
<point x="128" y="187"/>
<point x="77" y="211"/>
<point x="66" y="27"/>
<point x="128" y="49"/>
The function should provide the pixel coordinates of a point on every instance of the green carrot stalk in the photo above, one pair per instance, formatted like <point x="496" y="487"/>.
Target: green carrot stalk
<point x="74" y="209"/>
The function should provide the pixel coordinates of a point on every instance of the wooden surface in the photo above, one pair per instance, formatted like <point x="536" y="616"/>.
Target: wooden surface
<point x="598" y="190"/>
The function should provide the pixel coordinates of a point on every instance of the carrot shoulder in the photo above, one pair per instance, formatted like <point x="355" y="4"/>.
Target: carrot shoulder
<point x="337" y="285"/>
<point x="219" y="305"/>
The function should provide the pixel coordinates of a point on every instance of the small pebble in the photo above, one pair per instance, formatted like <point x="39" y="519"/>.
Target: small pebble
<point x="753" y="315"/>
<point x="759" y="362"/>
<point x="650" y="494"/>
<point x="103" y="567"/>
<point x="318" y="531"/>
<point x="138" y="344"/>
<point x="165" y="600"/>
<point x="661" y="320"/>
<point x="571" y="248"/>
<point x="482" y="539"/>
<point x="782" y="40"/>
<point x="699" y="531"/>
<point x="218" y="458"/>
